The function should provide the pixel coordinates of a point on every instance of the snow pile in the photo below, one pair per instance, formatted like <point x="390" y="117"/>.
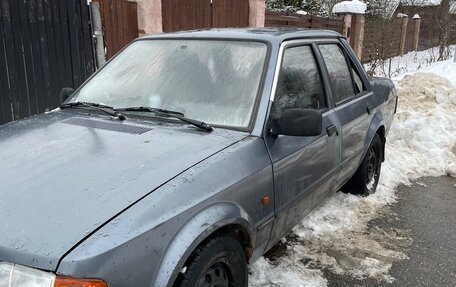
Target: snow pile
<point x="446" y="69"/>
<point x="288" y="272"/>
<point x="354" y="6"/>
<point x="336" y="237"/>
<point x="424" y="133"/>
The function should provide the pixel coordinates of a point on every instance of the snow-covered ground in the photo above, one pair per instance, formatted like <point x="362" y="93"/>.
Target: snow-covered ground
<point x="412" y="62"/>
<point x="421" y="142"/>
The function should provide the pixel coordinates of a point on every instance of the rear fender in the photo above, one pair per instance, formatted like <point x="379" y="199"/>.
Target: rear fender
<point x="197" y="229"/>
<point x="376" y="124"/>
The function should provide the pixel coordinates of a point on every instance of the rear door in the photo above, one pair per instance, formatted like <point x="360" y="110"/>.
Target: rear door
<point x="353" y="104"/>
<point x="305" y="168"/>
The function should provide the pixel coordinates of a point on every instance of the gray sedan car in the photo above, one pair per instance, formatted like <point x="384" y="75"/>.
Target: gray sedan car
<point x="187" y="157"/>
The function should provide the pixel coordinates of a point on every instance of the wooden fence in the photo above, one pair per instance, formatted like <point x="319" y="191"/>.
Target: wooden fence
<point x="305" y="21"/>
<point x="178" y="15"/>
<point x="382" y="38"/>
<point x="230" y="13"/>
<point x="429" y="34"/>
<point x="120" y="24"/>
<point x="46" y="45"/>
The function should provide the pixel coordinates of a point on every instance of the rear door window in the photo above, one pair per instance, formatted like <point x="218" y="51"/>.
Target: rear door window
<point x="340" y="74"/>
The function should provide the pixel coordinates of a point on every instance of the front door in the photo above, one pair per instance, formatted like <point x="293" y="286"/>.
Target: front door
<point x="305" y="168"/>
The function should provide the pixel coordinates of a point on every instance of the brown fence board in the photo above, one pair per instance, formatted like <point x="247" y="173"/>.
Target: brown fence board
<point x="382" y="38"/>
<point x="120" y="19"/>
<point x="304" y="21"/>
<point x="120" y="24"/>
<point x="230" y="13"/>
<point x="178" y="15"/>
<point x="428" y="34"/>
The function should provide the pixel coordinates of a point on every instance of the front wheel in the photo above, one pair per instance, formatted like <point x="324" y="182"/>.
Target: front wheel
<point x="219" y="262"/>
<point x="365" y="180"/>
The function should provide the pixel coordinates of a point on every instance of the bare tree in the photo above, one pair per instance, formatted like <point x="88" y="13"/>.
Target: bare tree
<point x="444" y="23"/>
<point x="446" y="28"/>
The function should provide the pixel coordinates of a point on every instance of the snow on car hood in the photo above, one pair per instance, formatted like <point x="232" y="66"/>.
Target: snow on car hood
<point x="62" y="175"/>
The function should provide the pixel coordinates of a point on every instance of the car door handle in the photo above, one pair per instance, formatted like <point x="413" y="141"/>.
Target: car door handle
<point x="369" y="109"/>
<point x="331" y="130"/>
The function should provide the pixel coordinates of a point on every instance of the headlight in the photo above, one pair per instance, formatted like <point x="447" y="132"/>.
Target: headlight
<point x="13" y="275"/>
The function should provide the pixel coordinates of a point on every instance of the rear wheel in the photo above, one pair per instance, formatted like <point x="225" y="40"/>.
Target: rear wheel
<point x="219" y="262"/>
<point x="365" y="180"/>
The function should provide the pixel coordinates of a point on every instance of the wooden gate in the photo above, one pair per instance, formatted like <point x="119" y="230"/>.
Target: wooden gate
<point x="285" y="19"/>
<point x="230" y="13"/>
<point x="45" y="45"/>
<point x="120" y="24"/>
<point x="181" y="15"/>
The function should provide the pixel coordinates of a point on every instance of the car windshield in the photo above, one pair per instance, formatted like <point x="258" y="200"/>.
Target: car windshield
<point x="212" y="81"/>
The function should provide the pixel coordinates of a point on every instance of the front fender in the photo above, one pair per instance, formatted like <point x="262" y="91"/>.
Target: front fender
<point x="198" y="228"/>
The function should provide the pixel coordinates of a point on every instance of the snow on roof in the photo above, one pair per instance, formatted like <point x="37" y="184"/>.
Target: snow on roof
<point x="301" y="12"/>
<point x="421" y="2"/>
<point x="354" y="6"/>
<point x="391" y="5"/>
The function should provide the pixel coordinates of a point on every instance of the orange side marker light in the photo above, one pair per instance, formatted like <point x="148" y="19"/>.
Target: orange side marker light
<point x="62" y="281"/>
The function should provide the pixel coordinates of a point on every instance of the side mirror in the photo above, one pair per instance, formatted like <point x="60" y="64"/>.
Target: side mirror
<point x="65" y="93"/>
<point x="300" y="122"/>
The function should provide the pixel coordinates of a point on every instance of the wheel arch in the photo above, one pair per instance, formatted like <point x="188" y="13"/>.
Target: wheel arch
<point x="223" y="218"/>
<point x="240" y="233"/>
<point x="377" y="126"/>
<point x="381" y="131"/>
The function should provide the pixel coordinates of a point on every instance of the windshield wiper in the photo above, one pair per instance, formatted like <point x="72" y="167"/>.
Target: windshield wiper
<point x="106" y="109"/>
<point x="170" y="114"/>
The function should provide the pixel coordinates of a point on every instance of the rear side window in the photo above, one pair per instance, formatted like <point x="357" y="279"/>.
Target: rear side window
<point x="339" y="72"/>
<point x="299" y="84"/>
<point x="359" y="86"/>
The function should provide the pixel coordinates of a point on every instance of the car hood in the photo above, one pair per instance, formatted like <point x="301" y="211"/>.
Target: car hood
<point x="64" y="174"/>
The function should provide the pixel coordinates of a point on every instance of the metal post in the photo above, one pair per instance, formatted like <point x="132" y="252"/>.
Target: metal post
<point x="98" y="34"/>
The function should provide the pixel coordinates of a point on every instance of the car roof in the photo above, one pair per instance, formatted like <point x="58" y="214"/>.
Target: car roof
<point x="270" y="34"/>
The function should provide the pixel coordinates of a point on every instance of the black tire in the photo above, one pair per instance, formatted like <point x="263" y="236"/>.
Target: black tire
<point x="365" y="180"/>
<point x="218" y="262"/>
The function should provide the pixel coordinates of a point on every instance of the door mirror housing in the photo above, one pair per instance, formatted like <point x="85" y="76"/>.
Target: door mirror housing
<point x="65" y="93"/>
<point x="299" y="122"/>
